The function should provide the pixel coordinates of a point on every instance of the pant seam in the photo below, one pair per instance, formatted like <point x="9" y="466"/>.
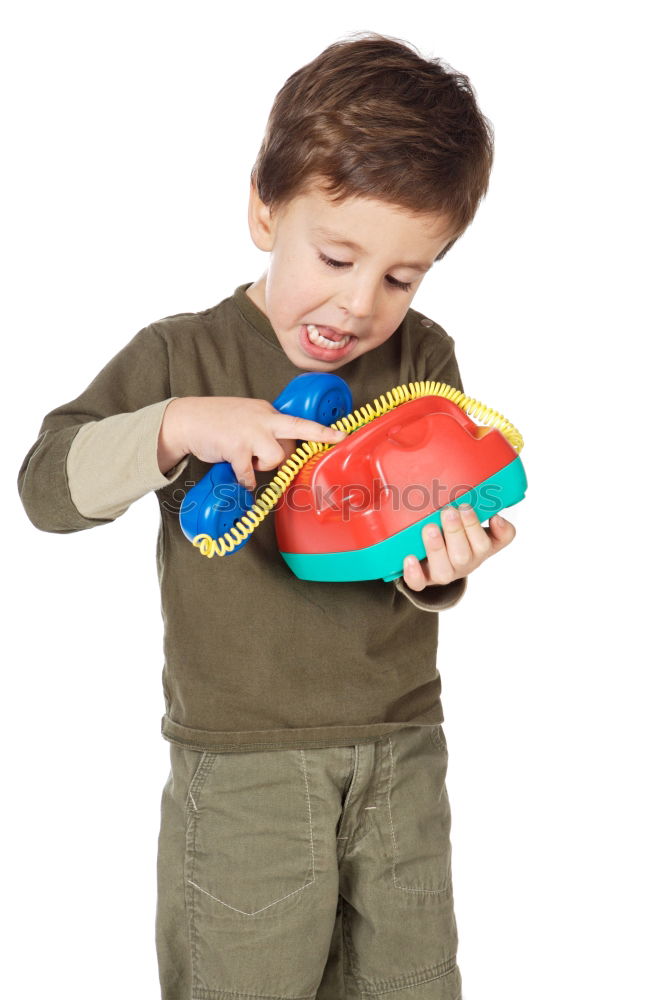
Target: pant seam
<point x="446" y="889"/>
<point x="202" y="993"/>
<point x="417" y="978"/>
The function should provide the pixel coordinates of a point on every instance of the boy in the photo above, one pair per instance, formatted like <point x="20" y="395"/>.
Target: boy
<point x="304" y="846"/>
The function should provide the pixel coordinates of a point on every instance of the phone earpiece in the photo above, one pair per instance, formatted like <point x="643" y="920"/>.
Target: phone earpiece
<point x="316" y="396"/>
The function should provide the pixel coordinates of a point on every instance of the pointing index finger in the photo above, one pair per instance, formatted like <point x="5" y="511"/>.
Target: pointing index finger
<point x="309" y="430"/>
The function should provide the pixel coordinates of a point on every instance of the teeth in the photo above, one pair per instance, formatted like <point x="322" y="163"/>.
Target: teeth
<point x="318" y="338"/>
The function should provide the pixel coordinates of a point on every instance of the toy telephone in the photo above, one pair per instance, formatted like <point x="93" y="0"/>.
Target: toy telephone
<point x="354" y="510"/>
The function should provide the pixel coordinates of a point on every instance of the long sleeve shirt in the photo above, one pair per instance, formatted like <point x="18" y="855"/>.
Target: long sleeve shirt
<point x="254" y="657"/>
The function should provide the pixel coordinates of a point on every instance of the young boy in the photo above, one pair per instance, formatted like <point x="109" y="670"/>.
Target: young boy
<point x="304" y="849"/>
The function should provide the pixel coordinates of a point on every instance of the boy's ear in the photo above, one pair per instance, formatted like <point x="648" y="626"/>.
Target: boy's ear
<point x="260" y="220"/>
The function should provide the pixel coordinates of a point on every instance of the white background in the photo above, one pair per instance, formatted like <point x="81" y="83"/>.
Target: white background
<point x="129" y="132"/>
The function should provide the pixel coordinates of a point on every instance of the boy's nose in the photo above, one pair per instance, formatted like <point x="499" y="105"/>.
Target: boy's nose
<point x="360" y="299"/>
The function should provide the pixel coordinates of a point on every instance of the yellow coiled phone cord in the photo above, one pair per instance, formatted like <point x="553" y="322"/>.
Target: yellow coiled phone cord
<point x="245" y="525"/>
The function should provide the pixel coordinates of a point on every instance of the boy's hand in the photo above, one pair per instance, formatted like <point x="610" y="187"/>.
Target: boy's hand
<point x="461" y="547"/>
<point x="248" y="433"/>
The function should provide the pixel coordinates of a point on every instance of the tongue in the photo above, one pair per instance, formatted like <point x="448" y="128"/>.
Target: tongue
<point x="330" y="334"/>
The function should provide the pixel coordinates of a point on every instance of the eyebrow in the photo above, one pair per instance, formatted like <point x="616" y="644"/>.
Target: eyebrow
<point x="335" y="238"/>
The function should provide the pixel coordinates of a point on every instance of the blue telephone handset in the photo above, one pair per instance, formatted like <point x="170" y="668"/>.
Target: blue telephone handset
<point x="214" y="504"/>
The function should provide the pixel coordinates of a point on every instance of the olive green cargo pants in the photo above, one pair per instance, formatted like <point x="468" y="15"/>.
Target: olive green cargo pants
<point x="308" y="874"/>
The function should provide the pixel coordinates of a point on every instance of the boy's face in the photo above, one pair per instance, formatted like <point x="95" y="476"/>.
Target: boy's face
<point x="359" y="299"/>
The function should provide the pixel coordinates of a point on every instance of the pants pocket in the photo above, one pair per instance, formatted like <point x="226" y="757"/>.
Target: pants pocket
<point x="249" y="842"/>
<point x="419" y="811"/>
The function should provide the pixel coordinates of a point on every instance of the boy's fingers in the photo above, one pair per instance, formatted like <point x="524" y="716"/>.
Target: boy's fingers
<point x="438" y="555"/>
<point x="270" y="453"/>
<point x="459" y="552"/>
<point x="302" y="429"/>
<point x="244" y="474"/>
<point x="413" y="574"/>
<point x="288" y="446"/>
<point x="502" y="532"/>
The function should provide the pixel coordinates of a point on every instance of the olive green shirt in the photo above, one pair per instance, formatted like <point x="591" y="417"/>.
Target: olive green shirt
<point x="254" y="657"/>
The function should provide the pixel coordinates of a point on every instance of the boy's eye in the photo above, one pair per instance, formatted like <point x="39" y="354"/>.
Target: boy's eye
<point x="403" y="285"/>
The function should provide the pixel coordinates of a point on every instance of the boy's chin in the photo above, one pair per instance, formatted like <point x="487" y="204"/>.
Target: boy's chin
<point x="312" y="365"/>
<point x="315" y="365"/>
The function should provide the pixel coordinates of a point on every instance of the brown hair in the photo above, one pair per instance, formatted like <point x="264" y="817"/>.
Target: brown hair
<point x="370" y="117"/>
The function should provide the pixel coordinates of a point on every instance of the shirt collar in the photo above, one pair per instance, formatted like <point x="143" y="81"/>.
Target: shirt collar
<point x="255" y="316"/>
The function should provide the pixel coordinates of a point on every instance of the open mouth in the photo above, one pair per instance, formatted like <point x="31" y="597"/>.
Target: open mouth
<point x="333" y="339"/>
<point x="324" y="343"/>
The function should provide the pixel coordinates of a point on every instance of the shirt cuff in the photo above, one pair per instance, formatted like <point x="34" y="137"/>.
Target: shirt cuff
<point x="113" y="462"/>
<point x="437" y="597"/>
